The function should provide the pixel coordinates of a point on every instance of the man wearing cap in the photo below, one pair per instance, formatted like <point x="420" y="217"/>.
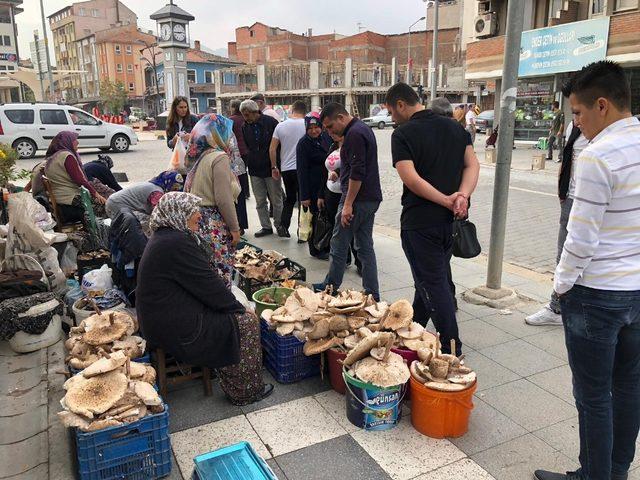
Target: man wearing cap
<point x="264" y="109"/>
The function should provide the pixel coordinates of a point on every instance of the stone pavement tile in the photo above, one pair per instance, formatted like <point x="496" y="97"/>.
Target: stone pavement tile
<point x="478" y="334"/>
<point x="487" y="428"/>
<point x="286" y="392"/>
<point x="519" y="458"/>
<point x="551" y="341"/>
<point x="465" y="469"/>
<point x="514" y="324"/>
<point x="293" y="425"/>
<point x="490" y="374"/>
<point x="522" y="357"/>
<point x="391" y="281"/>
<point x="398" y="294"/>
<point x="19" y="427"/>
<point x="16" y="364"/>
<point x="340" y="457"/>
<point x="562" y="436"/>
<point x="41" y="472"/>
<point x="175" y="474"/>
<point x="276" y="469"/>
<point x="191" y="408"/>
<point x="478" y="311"/>
<point x="335" y="404"/>
<point x="24" y="455"/>
<point x="556" y="381"/>
<point x="404" y="453"/>
<point x="188" y="444"/>
<point x="461" y="315"/>
<point x="21" y="380"/>
<point x="23" y="401"/>
<point x="528" y="405"/>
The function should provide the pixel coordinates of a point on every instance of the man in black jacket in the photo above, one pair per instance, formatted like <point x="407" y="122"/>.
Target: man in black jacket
<point x="265" y="180"/>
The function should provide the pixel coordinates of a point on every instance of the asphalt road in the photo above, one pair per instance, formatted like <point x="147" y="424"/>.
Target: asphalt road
<point x="532" y="215"/>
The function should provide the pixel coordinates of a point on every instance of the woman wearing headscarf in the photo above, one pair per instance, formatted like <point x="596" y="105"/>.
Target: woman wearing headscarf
<point x="63" y="168"/>
<point x="140" y="199"/>
<point x="212" y="179"/>
<point x="200" y="322"/>
<point x="100" y="170"/>
<point x="311" y="154"/>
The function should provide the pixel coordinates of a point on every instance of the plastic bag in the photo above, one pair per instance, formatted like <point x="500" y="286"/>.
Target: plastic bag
<point x="178" y="156"/>
<point x="323" y="231"/>
<point x="69" y="260"/>
<point x="305" y="228"/>
<point x="97" y="282"/>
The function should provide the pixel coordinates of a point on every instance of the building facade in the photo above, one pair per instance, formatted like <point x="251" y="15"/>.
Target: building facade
<point x="560" y="37"/>
<point x="77" y="22"/>
<point x="9" y="89"/>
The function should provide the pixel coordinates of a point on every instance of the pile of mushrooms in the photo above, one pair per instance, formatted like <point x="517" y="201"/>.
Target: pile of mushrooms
<point x="100" y="335"/>
<point x="444" y="372"/>
<point x="261" y="266"/>
<point x="112" y="391"/>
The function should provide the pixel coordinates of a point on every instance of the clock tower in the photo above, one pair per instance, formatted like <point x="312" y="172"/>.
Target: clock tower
<point x="173" y="38"/>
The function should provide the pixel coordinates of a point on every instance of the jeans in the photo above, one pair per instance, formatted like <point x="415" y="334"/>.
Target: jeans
<point x="360" y="230"/>
<point x="550" y="143"/>
<point x="290" y="180"/>
<point x="428" y="251"/>
<point x="261" y="188"/>
<point x="565" y="211"/>
<point x="602" y="333"/>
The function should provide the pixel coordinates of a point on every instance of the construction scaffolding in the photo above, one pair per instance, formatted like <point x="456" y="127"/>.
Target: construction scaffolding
<point x="287" y="76"/>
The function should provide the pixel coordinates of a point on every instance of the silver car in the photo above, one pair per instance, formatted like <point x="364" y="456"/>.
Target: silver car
<point x="382" y="120"/>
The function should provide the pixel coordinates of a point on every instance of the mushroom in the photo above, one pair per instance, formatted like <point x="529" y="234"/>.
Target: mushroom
<point x="439" y="367"/>
<point x="285" y="329"/>
<point x="377" y="310"/>
<point x="313" y="347"/>
<point x="102" y="424"/>
<point x="417" y="344"/>
<point x="338" y="323"/>
<point x="96" y="395"/>
<point x="463" y="379"/>
<point x="399" y="315"/>
<point x="320" y="314"/>
<point x="343" y="334"/>
<point x="390" y="372"/>
<point x="150" y="375"/>
<point x="129" y="345"/>
<point x="105" y="365"/>
<point x="378" y="353"/>
<point x="320" y="330"/>
<point x="266" y="314"/>
<point x="356" y="322"/>
<point x="364" y="346"/>
<point x="351" y="341"/>
<point x="412" y="332"/>
<point x="137" y="370"/>
<point x="71" y="420"/>
<point x="445" y="387"/>
<point x="425" y="355"/>
<point x="147" y="393"/>
<point x="106" y="334"/>
<point x="417" y="371"/>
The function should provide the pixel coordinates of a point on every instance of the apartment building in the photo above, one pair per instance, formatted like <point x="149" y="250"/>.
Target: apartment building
<point x="77" y="22"/>
<point x="561" y="36"/>
<point x="9" y="89"/>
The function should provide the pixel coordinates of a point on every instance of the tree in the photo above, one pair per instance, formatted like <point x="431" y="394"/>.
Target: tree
<point x="113" y="95"/>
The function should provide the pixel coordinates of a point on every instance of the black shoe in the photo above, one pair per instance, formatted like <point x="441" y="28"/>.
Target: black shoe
<point x="267" y="390"/>
<point x="323" y="256"/>
<point x="283" y="232"/>
<point x="455" y="303"/>
<point x="544" y="475"/>
<point x="263" y="232"/>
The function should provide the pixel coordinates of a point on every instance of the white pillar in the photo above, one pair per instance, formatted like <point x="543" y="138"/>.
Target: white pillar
<point x="262" y="78"/>
<point x="348" y="73"/>
<point x="394" y="71"/>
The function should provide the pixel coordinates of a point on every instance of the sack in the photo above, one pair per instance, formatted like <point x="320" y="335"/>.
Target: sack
<point x="323" y="231"/>
<point x="305" y="228"/>
<point x="178" y="156"/>
<point x="97" y="281"/>
<point x="465" y="239"/>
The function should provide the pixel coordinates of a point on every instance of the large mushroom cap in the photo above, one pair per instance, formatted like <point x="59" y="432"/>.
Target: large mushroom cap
<point x="378" y="310"/>
<point x="399" y="315"/>
<point x="147" y="393"/>
<point x="338" y="323"/>
<point x="387" y="373"/>
<point x="104" y="365"/>
<point x="412" y="332"/>
<point x="320" y="330"/>
<point x="364" y="346"/>
<point x="96" y="395"/>
<point x="114" y="330"/>
<point x="313" y="347"/>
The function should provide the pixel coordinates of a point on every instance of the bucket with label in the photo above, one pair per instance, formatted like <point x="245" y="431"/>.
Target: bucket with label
<point x="371" y="407"/>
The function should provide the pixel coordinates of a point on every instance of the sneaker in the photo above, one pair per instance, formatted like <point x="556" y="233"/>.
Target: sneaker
<point x="319" y="287"/>
<point x="544" y="475"/>
<point x="546" y="316"/>
<point x="263" y="232"/>
<point x="283" y="232"/>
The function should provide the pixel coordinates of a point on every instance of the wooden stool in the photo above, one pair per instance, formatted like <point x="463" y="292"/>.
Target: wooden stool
<point x="170" y="373"/>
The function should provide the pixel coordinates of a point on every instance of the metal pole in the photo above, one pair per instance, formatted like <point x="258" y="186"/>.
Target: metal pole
<point x="46" y="50"/>
<point x="515" y="21"/>
<point x="434" y="52"/>
<point x="40" y="74"/>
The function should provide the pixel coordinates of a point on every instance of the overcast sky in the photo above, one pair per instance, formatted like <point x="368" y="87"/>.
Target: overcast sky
<point x="216" y="20"/>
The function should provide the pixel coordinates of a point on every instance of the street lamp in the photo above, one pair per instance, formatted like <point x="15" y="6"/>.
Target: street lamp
<point x="409" y="46"/>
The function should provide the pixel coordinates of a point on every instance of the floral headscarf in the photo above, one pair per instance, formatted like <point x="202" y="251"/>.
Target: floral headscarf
<point x="62" y="141"/>
<point x="106" y="160"/>
<point x="312" y="118"/>
<point x="173" y="211"/>
<point x="169" y="181"/>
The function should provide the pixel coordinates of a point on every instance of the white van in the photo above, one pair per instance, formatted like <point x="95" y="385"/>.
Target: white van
<point x="29" y="127"/>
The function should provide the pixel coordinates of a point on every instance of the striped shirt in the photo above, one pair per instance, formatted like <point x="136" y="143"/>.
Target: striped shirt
<point x="602" y="250"/>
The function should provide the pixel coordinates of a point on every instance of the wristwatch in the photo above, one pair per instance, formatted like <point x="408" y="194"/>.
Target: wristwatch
<point x="274" y="168"/>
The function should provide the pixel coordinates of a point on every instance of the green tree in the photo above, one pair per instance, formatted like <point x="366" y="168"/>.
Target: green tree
<point x="113" y="96"/>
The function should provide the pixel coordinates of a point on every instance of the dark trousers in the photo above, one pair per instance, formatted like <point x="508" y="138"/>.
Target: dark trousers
<point x="241" y="205"/>
<point x="71" y="213"/>
<point x="290" y="180"/>
<point x="602" y="333"/>
<point x="428" y="251"/>
<point x="331" y="203"/>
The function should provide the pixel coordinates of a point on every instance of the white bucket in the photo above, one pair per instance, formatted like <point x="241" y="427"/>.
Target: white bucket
<point x="23" y="342"/>
<point x="80" y="314"/>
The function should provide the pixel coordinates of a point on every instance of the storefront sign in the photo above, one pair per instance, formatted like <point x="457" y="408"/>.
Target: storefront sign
<point x="564" y="48"/>
<point x="8" y="57"/>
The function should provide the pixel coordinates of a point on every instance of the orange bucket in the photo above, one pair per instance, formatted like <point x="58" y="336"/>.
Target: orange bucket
<point x="439" y="414"/>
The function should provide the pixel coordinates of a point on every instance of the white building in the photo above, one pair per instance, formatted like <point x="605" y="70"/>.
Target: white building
<point x="9" y="89"/>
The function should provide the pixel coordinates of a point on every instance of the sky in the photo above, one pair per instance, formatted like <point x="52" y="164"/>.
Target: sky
<point x="216" y="20"/>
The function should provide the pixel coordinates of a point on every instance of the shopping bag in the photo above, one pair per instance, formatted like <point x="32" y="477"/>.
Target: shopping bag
<point x="323" y="231"/>
<point x="178" y="156"/>
<point x="305" y="228"/>
<point x="465" y="239"/>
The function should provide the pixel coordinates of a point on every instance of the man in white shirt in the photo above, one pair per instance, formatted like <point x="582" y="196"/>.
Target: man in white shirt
<point x="598" y="277"/>
<point x="264" y="109"/>
<point x="286" y="136"/>
<point x="470" y="118"/>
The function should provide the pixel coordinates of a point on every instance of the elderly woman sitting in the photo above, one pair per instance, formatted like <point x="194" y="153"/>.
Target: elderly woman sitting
<point x="185" y="308"/>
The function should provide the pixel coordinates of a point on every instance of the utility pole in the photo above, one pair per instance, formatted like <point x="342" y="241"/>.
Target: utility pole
<point x="434" y="52"/>
<point x="515" y="21"/>
<point x="46" y="50"/>
<point x="40" y="72"/>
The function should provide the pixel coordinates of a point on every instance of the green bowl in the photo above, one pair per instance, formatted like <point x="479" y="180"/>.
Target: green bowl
<point x="280" y="294"/>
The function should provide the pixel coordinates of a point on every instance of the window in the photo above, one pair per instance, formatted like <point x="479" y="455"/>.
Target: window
<point x="5" y="40"/>
<point x="78" y="117"/>
<point x="53" y="117"/>
<point x="82" y="12"/>
<point x="180" y="56"/>
<point x="167" y="56"/>
<point x="626" y="4"/>
<point x="252" y="33"/>
<point x="118" y="50"/>
<point x="193" y="105"/>
<point x="119" y="67"/>
<point x="229" y="78"/>
<point x="208" y="77"/>
<point x="191" y="76"/>
<point x="3" y="68"/>
<point x="20" y="116"/>
<point x="211" y="103"/>
<point x="128" y="49"/>
<point x="132" y="87"/>
<point x="130" y="68"/>
<point x="597" y="6"/>
<point x="95" y="12"/>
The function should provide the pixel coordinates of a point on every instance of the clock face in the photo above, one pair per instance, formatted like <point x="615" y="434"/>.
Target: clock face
<point x="179" y="32"/>
<point x="165" y="31"/>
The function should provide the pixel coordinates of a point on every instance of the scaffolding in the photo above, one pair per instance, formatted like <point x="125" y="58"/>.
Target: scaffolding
<point x="287" y="76"/>
<point x="239" y="79"/>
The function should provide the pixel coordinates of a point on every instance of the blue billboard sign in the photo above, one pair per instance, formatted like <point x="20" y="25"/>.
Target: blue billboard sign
<point x="564" y="48"/>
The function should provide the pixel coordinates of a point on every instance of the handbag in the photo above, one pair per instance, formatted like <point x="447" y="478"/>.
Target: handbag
<point x="305" y="221"/>
<point x="465" y="239"/>
<point x="323" y="231"/>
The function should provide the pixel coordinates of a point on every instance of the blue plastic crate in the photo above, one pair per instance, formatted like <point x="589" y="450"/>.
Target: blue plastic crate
<point x="235" y="462"/>
<point x="135" y="451"/>
<point x="284" y="358"/>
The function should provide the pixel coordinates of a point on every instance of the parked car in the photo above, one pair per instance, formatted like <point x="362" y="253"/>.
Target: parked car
<point x="382" y="120"/>
<point x="484" y="121"/>
<point x="29" y="127"/>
